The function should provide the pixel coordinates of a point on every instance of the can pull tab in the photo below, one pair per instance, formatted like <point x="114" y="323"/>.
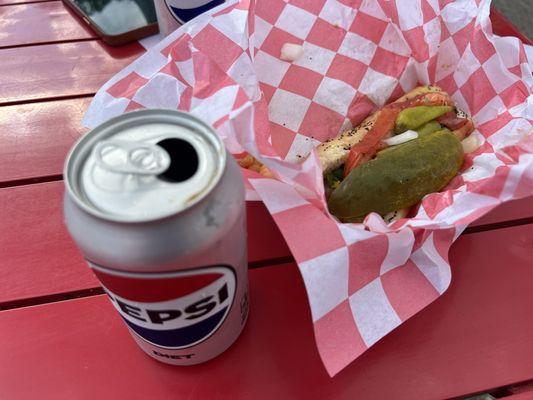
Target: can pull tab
<point x="126" y="157"/>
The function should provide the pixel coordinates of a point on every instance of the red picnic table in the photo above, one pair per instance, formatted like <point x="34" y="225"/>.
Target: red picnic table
<point x="60" y="338"/>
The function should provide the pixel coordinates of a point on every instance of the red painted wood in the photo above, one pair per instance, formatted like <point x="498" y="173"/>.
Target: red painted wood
<point x="520" y="396"/>
<point x="503" y="27"/>
<point x="40" y="23"/>
<point x="33" y="146"/>
<point x="66" y="69"/>
<point x="475" y="337"/>
<point x="35" y="244"/>
<point x="264" y="238"/>
<point x="36" y="137"/>
<point x="39" y="258"/>
<point x="12" y="2"/>
<point x="509" y="211"/>
<point x="66" y="338"/>
<point x="524" y="387"/>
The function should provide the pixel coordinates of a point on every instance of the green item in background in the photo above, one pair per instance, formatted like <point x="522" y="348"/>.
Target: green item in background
<point x="415" y="117"/>
<point x="425" y="130"/>
<point x="430" y="127"/>
<point x="334" y="178"/>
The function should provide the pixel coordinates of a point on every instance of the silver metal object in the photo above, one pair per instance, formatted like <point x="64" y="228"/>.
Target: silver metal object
<point x="156" y="206"/>
<point x="138" y="159"/>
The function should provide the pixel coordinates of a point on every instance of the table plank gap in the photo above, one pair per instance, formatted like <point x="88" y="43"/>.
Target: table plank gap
<point x="519" y="396"/>
<point x="47" y="99"/>
<point x="18" y="46"/>
<point x="271" y="261"/>
<point x="51" y="298"/>
<point x="18" y="2"/>
<point x="31" y="181"/>
<point x="498" y="225"/>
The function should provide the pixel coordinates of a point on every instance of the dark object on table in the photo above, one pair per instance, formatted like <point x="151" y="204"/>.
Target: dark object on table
<point x="519" y="12"/>
<point x="117" y="21"/>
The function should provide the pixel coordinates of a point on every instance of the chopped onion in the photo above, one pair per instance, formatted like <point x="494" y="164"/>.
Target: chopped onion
<point x="291" y="52"/>
<point x="401" y="138"/>
<point x="470" y="144"/>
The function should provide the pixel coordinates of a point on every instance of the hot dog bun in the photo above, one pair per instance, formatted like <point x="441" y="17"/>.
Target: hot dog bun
<point x="334" y="152"/>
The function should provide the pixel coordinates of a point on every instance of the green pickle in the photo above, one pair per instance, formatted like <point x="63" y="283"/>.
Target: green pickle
<point x="429" y="128"/>
<point x="414" y="117"/>
<point x="334" y="178"/>
<point x="398" y="178"/>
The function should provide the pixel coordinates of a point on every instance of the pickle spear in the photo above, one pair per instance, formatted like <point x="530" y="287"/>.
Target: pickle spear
<point x="424" y="130"/>
<point x="415" y="117"/>
<point x="398" y="178"/>
<point x="430" y="127"/>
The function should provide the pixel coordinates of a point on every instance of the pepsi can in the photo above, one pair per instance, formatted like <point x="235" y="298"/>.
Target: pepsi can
<point x="156" y="205"/>
<point x="173" y="13"/>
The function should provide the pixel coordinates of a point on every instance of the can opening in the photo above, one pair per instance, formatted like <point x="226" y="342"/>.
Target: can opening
<point x="183" y="160"/>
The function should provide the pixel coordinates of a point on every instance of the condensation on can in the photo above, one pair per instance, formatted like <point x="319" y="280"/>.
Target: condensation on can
<point x="156" y="205"/>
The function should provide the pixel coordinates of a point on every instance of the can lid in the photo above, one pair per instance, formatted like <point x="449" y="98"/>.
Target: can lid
<point x="144" y="165"/>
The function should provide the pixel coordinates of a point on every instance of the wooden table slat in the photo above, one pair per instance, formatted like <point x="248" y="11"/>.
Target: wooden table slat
<point x="39" y="258"/>
<point x="452" y="348"/>
<point x="511" y="211"/>
<point x="520" y="396"/>
<point x="35" y="245"/>
<point x="15" y="2"/>
<point x="502" y="27"/>
<point x="60" y="70"/>
<point x="36" y="23"/>
<point x="36" y="137"/>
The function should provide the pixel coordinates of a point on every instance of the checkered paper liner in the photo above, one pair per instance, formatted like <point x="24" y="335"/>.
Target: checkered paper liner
<point x="362" y="280"/>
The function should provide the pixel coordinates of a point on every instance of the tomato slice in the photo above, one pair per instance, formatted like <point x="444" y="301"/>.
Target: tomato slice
<point x="384" y="124"/>
<point x="424" y="99"/>
<point x="451" y="121"/>
<point x="368" y="146"/>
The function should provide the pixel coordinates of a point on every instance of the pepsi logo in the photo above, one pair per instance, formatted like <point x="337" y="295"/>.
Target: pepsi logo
<point x="185" y="10"/>
<point x="171" y="310"/>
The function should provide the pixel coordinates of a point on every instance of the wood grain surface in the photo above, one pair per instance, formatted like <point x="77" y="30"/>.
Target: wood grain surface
<point x="15" y="2"/>
<point x="477" y="336"/>
<point x="36" y="137"/>
<point x="59" y="70"/>
<point x="39" y="258"/>
<point x="35" y="23"/>
<point x="454" y="347"/>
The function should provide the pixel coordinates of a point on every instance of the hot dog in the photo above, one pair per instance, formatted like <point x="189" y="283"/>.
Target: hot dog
<point x="402" y="152"/>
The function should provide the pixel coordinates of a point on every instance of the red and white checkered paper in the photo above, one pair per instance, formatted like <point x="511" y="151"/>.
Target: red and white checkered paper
<point x="363" y="280"/>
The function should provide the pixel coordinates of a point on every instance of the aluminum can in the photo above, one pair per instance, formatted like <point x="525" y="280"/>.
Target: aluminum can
<point x="156" y="205"/>
<point x="173" y="13"/>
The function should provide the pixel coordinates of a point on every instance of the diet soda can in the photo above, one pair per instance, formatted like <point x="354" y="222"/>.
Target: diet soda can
<point x="156" y="205"/>
<point x="173" y="13"/>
